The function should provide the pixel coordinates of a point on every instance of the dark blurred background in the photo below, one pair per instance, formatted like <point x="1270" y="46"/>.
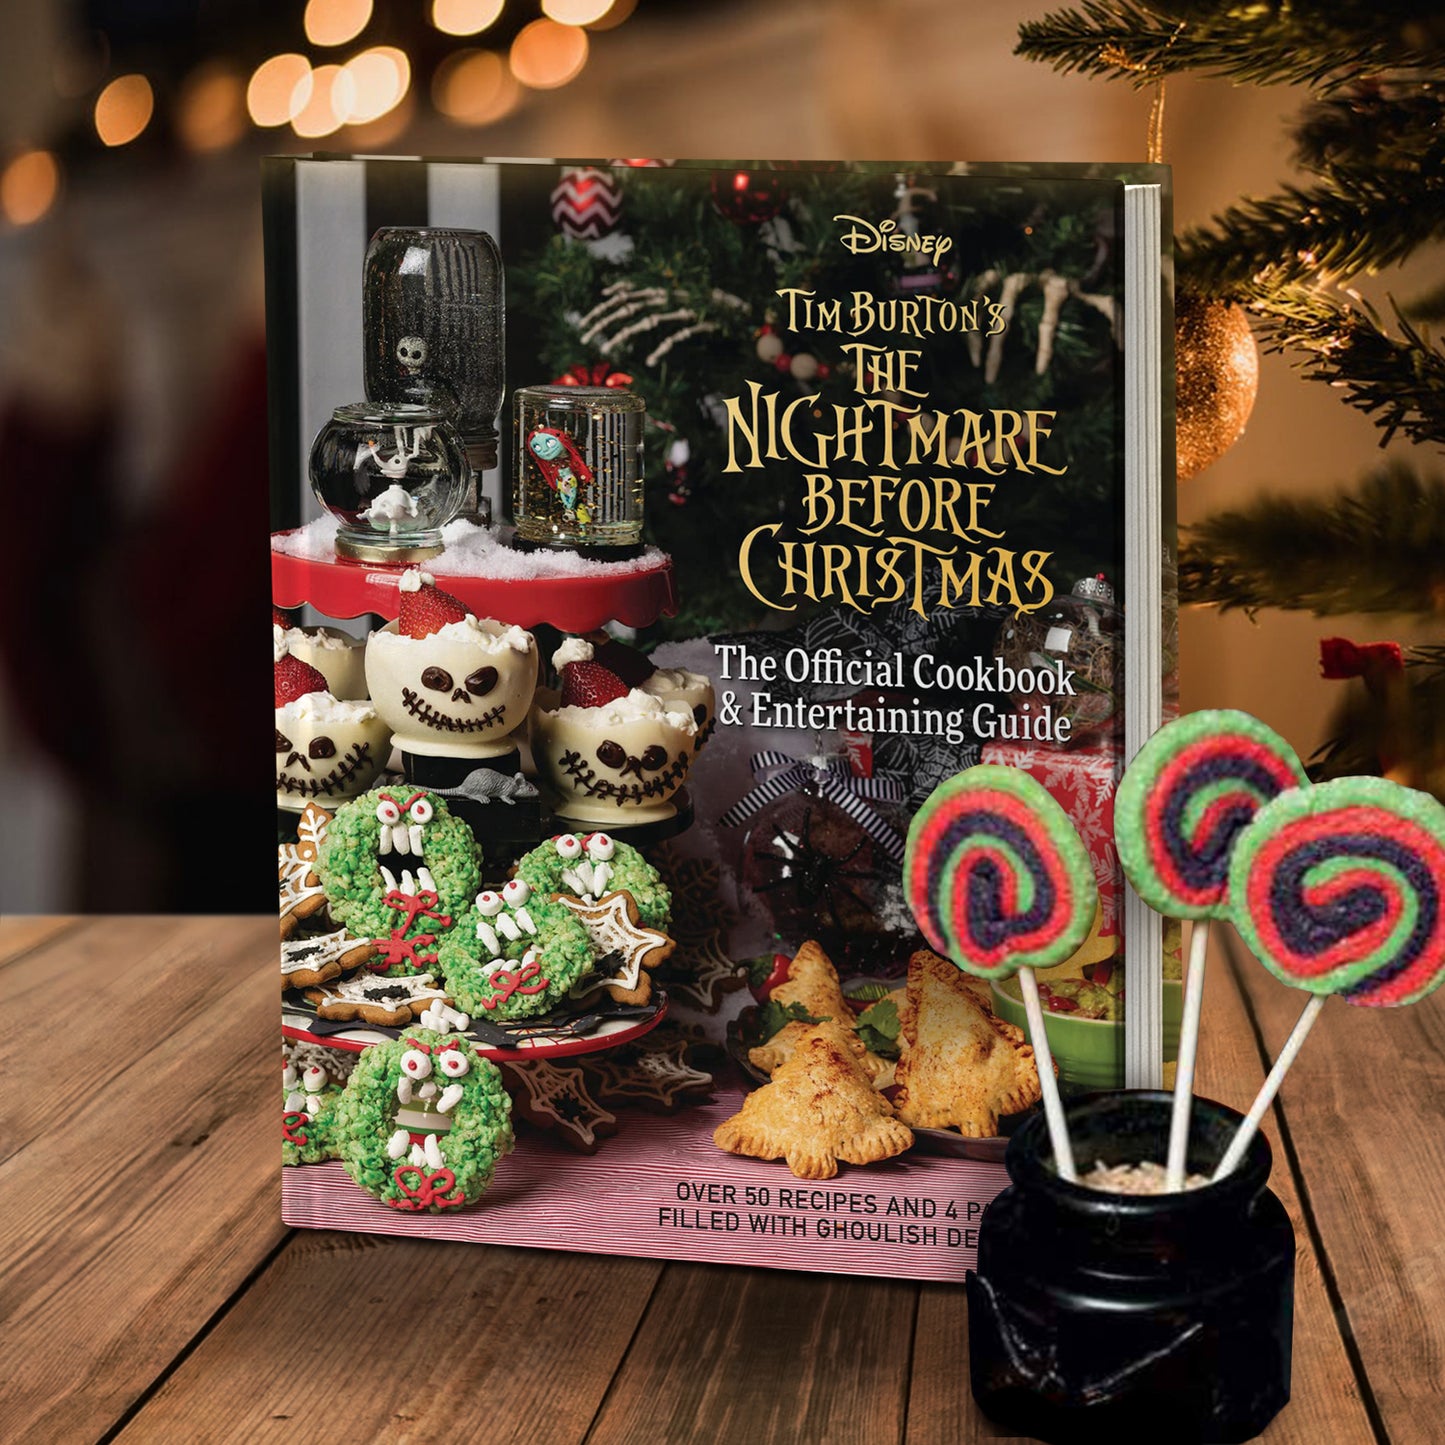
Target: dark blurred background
<point x="132" y="386"/>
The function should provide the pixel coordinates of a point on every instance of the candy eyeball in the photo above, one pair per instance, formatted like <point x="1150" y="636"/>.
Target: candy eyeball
<point x="568" y="846"/>
<point x="314" y="1079"/>
<point x="388" y="810"/>
<point x="421" y="809"/>
<point x="489" y="904"/>
<point x="454" y="1063"/>
<point x="516" y="891"/>
<point x="600" y="847"/>
<point x="415" y="1064"/>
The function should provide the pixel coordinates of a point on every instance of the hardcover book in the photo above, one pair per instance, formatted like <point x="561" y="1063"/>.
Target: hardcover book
<point x="651" y="539"/>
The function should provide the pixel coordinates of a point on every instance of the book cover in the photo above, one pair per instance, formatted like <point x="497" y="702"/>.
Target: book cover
<point x="652" y="538"/>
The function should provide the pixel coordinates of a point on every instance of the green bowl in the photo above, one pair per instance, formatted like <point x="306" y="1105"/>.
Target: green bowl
<point x="1090" y="1052"/>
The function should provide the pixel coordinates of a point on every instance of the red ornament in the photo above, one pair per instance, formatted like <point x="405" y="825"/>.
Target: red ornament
<point x="746" y="197"/>
<point x="597" y="373"/>
<point x="586" y="203"/>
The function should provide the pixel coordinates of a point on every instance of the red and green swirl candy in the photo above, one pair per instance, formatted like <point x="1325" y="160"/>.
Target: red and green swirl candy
<point x="996" y="875"/>
<point x="1340" y="889"/>
<point x="1184" y="800"/>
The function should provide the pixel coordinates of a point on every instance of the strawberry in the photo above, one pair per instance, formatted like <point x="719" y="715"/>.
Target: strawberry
<point x="632" y="666"/>
<point x="280" y="619"/>
<point x="295" y="678"/>
<point x="427" y="609"/>
<point x="589" y="684"/>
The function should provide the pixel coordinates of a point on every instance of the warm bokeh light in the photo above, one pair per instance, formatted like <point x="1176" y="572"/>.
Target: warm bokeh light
<point x="332" y="94"/>
<point x="124" y="109"/>
<point x="379" y="78"/>
<point x="211" y="109"/>
<point x="614" y="15"/>
<point x="474" y="87"/>
<point x="546" y="54"/>
<point x="576" y="12"/>
<point x="28" y="187"/>
<point x="334" y="22"/>
<point x="465" y="17"/>
<point x="377" y="135"/>
<point x="278" y="89"/>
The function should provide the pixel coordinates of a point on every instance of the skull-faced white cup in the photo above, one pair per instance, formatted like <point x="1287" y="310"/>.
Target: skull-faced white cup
<point x="459" y="693"/>
<point x="327" y="750"/>
<point x="616" y="764"/>
<point x="690" y="690"/>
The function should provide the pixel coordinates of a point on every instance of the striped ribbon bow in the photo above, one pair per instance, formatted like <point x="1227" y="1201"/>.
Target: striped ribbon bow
<point x="832" y="779"/>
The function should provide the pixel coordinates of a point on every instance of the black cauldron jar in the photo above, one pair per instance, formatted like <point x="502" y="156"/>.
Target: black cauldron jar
<point x="1129" y="1318"/>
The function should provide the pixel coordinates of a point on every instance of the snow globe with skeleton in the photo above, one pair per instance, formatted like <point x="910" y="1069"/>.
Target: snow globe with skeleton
<point x="393" y="474"/>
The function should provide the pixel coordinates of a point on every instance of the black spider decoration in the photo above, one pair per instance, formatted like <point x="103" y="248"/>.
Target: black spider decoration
<point x="817" y="876"/>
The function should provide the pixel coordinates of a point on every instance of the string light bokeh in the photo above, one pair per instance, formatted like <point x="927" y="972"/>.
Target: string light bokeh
<point x="351" y="72"/>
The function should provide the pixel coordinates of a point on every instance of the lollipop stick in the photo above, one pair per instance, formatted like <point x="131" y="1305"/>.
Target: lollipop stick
<point x="1053" y="1106"/>
<point x="1188" y="1047"/>
<point x="1270" y="1087"/>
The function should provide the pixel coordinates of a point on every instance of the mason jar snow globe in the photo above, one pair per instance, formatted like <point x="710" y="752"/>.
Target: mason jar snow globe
<point x="394" y="475"/>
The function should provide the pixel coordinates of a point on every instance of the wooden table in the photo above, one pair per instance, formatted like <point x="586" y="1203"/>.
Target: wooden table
<point x="149" y="1291"/>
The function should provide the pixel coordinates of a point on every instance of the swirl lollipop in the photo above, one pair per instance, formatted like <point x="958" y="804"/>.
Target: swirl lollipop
<point x="1181" y="805"/>
<point x="1341" y="890"/>
<point x="999" y="882"/>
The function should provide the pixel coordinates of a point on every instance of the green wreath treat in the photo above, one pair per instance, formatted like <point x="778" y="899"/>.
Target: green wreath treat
<point x="400" y="870"/>
<point x="587" y="865"/>
<point x="308" y="1115"/>
<point x="422" y="1122"/>
<point x="516" y="954"/>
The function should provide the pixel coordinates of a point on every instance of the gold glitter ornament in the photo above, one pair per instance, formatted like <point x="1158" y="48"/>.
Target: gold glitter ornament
<point x="1216" y="365"/>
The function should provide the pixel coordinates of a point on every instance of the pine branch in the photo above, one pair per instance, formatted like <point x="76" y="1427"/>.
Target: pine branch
<point x="1322" y="45"/>
<point x="1378" y="548"/>
<point x="1375" y="128"/>
<point x="1398" y="381"/>
<point x="1333" y="231"/>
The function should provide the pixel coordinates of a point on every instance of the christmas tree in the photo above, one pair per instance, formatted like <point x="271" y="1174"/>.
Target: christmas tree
<point x="1372" y="139"/>
<point x="713" y="299"/>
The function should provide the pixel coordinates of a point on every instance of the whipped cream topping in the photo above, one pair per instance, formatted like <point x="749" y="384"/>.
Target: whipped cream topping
<point x="669" y="680"/>
<point x="637" y="706"/>
<point x="322" y="708"/>
<point x="573" y="649"/>
<point x="414" y="578"/>
<point x="479" y="632"/>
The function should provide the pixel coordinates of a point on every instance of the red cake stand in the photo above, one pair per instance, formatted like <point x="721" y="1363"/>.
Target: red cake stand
<point x="636" y="597"/>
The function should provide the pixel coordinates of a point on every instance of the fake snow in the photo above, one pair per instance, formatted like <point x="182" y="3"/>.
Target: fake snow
<point x="472" y="551"/>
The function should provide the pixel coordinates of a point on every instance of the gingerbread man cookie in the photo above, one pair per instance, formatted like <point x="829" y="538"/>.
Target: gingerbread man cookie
<point x="308" y="961"/>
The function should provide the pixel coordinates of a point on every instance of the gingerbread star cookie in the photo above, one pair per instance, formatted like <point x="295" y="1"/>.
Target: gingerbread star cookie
<point x="963" y="1065"/>
<point x="625" y="950"/>
<point x="555" y="1098"/>
<point x="819" y="1108"/>
<point x="373" y="999"/>
<point x="310" y="960"/>
<point x="301" y="892"/>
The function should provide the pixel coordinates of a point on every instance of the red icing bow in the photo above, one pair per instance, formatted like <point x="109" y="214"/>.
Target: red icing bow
<point x="597" y="373"/>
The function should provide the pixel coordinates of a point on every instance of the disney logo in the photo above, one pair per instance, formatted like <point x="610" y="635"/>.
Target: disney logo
<point x="865" y="237"/>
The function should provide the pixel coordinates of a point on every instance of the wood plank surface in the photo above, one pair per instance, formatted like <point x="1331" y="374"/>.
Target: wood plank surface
<point x="764" y="1355"/>
<point x="119" y="985"/>
<point x="1326" y="1406"/>
<point x="1364" y="1107"/>
<point x="143" y="1205"/>
<point x="346" y="1337"/>
<point x="150" y="1291"/>
<point x="20" y="935"/>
